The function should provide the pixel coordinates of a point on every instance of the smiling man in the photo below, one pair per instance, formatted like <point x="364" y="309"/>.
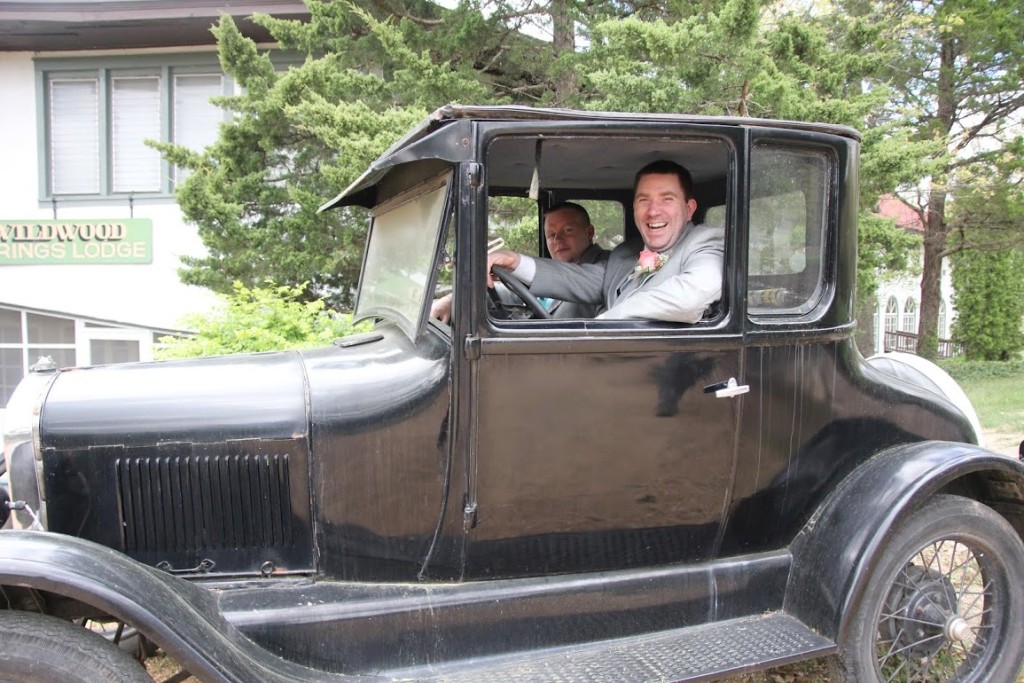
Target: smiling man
<point x="674" y="275"/>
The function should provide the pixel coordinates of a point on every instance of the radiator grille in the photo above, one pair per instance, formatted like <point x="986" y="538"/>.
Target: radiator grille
<point x="186" y="503"/>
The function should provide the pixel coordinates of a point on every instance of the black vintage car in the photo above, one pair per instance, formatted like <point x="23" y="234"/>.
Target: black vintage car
<point x="510" y="497"/>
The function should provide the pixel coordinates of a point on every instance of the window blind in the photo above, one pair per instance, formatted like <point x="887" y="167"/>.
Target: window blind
<point x="135" y="118"/>
<point x="74" y="136"/>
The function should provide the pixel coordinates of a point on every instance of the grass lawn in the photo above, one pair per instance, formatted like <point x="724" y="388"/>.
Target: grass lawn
<point x="997" y="392"/>
<point x="999" y="402"/>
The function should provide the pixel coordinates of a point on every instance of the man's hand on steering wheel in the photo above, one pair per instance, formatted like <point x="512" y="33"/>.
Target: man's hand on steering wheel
<point x="522" y="291"/>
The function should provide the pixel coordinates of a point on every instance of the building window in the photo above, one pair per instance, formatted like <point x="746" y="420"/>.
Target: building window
<point x="50" y="336"/>
<point x="196" y="119"/>
<point x="11" y="353"/>
<point x="106" y="351"/>
<point x="100" y="114"/>
<point x="74" y="136"/>
<point x="135" y="118"/>
<point x="26" y="336"/>
<point x="892" y="312"/>
<point x="910" y="316"/>
<point x="941" y="331"/>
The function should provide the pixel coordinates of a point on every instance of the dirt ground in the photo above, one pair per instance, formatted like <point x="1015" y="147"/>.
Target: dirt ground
<point x="1001" y="442"/>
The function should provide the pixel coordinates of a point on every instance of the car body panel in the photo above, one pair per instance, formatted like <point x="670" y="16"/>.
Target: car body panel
<point x="834" y="553"/>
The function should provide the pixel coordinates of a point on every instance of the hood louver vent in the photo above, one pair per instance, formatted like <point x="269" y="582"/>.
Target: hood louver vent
<point x="182" y="504"/>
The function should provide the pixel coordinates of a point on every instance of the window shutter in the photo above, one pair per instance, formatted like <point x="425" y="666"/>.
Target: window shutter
<point x="74" y="136"/>
<point x="135" y="118"/>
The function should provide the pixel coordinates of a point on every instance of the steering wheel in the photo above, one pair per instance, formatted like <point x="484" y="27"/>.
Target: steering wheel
<point x="519" y="289"/>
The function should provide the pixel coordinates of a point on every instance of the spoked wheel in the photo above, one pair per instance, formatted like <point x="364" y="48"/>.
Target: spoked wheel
<point x="942" y="601"/>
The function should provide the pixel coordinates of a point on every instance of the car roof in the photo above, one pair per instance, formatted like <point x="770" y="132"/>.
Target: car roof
<point x="448" y="114"/>
<point x="520" y="113"/>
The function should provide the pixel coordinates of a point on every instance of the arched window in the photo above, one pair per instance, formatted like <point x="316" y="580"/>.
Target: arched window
<point x="942" y="320"/>
<point x="892" y="313"/>
<point x="910" y="316"/>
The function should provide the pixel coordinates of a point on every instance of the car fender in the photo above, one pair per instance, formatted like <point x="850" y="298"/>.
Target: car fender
<point x="836" y="551"/>
<point x="182" y="618"/>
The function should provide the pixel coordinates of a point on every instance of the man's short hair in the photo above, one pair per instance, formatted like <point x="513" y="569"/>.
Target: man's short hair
<point x="666" y="167"/>
<point x="570" y="206"/>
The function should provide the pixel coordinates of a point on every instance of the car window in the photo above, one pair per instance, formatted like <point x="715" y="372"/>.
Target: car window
<point x="788" y="189"/>
<point x="596" y="172"/>
<point x="513" y="221"/>
<point x="609" y="221"/>
<point x="400" y="251"/>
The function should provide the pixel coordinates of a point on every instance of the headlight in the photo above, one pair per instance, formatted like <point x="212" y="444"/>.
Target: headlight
<point x="21" y="452"/>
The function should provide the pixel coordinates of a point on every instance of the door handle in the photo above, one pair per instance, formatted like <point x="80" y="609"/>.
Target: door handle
<point x="727" y="389"/>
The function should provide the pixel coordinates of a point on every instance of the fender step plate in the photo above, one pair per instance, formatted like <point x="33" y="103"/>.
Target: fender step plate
<point x="698" y="653"/>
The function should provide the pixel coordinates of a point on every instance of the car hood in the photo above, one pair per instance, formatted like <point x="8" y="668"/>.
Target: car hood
<point x="253" y="396"/>
<point x="204" y="465"/>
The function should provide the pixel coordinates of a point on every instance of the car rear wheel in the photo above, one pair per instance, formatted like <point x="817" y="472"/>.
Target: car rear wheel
<point x="941" y="601"/>
<point x="43" y="649"/>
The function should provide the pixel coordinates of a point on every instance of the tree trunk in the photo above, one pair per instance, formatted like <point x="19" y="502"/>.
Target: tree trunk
<point x="935" y="229"/>
<point x="935" y="232"/>
<point x="563" y="42"/>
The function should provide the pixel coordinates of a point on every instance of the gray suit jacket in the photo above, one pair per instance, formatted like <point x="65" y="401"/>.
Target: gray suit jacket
<point x="571" y="309"/>
<point x="559" y="308"/>
<point x="679" y="291"/>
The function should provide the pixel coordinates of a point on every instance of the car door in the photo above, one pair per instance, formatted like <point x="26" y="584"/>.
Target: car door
<point x="598" y="445"/>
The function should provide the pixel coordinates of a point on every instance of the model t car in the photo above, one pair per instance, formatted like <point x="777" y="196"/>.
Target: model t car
<point x="511" y="497"/>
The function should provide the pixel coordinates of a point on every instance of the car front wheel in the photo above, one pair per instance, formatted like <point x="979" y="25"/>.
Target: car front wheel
<point x="944" y="601"/>
<point x="41" y="649"/>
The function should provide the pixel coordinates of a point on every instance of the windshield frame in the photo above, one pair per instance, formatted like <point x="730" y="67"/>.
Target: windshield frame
<point x="419" y="213"/>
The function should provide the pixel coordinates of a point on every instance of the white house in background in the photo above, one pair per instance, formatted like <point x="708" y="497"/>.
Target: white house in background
<point x="897" y="311"/>
<point x="90" y="234"/>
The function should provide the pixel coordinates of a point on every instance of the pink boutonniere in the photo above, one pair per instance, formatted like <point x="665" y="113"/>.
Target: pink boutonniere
<point x="648" y="262"/>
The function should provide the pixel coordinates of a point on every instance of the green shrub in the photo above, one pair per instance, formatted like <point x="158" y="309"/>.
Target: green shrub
<point x="963" y="370"/>
<point x="267" y="318"/>
<point x="989" y="299"/>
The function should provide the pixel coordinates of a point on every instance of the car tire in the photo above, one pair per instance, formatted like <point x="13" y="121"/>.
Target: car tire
<point x="128" y="639"/>
<point x="941" y="601"/>
<point x="41" y="649"/>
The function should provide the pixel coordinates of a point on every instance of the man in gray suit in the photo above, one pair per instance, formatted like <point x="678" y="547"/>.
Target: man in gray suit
<point x="674" y="275"/>
<point x="569" y="235"/>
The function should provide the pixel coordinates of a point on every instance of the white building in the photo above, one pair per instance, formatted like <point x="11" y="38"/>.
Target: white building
<point x="90" y="234"/>
<point x="897" y="311"/>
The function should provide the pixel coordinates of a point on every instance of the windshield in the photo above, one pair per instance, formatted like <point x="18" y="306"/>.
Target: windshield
<point x="400" y="254"/>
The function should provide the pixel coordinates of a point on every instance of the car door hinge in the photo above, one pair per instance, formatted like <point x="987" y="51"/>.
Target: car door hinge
<point x="473" y="172"/>
<point x="469" y="517"/>
<point x="472" y="347"/>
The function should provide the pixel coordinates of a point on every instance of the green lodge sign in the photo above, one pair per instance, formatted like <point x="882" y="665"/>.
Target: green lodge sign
<point x="102" y="241"/>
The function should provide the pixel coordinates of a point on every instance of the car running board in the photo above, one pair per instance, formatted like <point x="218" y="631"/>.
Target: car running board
<point x="698" y="653"/>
